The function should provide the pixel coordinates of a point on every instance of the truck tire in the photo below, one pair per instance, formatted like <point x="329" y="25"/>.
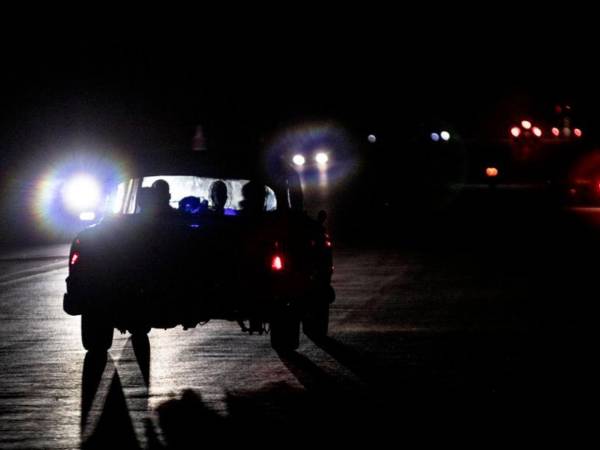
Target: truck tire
<point x="285" y="331"/>
<point x="96" y="332"/>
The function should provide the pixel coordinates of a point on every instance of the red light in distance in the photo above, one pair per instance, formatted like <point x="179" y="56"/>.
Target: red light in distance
<point x="491" y="172"/>
<point x="277" y="263"/>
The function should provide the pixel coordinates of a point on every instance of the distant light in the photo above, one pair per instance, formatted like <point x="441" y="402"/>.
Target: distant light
<point x="515" y="131"/>
<point x="526" y="124"/>
<point x="81" y="193"/>
<point x="87" y="216"/>
<point x="491" y="172"/>
<point x="537" y="131"/>
<point x="555" y="131"/>
<point x="567" y="131"/>
<point x="445" y="135"/>
<point x="372" y="138"/>
<point x="577" y="132"/>
<point x="321" y="158"/>
<point x="74" y="258"/>
<point x="435" y="137"/>
<point x="277" y="263"/>
<point x="299" y="160"/>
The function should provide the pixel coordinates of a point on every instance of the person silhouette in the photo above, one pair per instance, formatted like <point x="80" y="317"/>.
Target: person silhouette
<point x="254" y="195"/>
<point x="155" y="199"/>
<point x="218" y="196"/>
<point x="162" y="193"/>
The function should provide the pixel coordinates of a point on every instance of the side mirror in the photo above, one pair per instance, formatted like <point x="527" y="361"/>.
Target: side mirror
<point x="322" y="217"/>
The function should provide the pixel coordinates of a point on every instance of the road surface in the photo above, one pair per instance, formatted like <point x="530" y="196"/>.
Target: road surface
<point x="464" y="344"/>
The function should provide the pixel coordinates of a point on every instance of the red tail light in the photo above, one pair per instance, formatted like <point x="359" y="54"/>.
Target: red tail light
<point x="74" y="258"/>
<point x="277" y="263"/>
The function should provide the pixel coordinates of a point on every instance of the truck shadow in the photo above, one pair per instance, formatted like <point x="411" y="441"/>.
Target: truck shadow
<point x="454" y="384"/>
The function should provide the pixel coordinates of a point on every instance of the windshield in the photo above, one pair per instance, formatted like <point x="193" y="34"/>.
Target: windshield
<point x="187" y="194"/>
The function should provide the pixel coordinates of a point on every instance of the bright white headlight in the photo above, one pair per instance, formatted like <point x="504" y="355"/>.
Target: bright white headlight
<point x="299" y="160"/>
<point x="81" y="193"/>
<point x="321" y="158"/>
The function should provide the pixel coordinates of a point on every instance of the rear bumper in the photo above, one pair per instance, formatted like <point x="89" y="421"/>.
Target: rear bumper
<point x="234" y="301"/>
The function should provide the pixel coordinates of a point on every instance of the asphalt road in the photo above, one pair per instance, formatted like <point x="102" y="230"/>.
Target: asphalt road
<point x="479" y="344"/>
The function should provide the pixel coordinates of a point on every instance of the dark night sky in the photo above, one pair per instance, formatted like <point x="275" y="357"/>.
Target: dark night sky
<point x="146" y="91"/>
<point x="141" y="92"/>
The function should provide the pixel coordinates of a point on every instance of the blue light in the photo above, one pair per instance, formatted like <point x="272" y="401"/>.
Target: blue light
<point x="435" y="137"/>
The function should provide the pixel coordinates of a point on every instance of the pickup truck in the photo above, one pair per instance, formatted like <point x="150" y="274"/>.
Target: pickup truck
<point x="172" y="251"/>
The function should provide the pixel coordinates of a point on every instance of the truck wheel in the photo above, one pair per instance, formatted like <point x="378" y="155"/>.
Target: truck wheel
<point x="315" y="323"/>
<point x="285" y="331"/>
<point x="96" y="332"/>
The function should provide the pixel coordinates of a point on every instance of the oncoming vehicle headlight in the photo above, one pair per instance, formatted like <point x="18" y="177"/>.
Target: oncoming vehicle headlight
<point x="321" y="158"/>
<point x="299" y="160"/>
<point x="81" y="193"/>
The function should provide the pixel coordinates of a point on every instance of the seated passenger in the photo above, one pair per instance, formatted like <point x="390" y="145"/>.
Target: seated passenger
<point x="155" y="200"/>
<point x="163" y="194"/>
<point x="254" y="195"/>
<point x="218" y="196"/>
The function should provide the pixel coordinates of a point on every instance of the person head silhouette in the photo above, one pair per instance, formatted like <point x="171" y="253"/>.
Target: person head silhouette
<point x="218" y="196"/>
<point x="155" y="199"/>
<point x="162" y="193"/>
<point x="254" y="195"/>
